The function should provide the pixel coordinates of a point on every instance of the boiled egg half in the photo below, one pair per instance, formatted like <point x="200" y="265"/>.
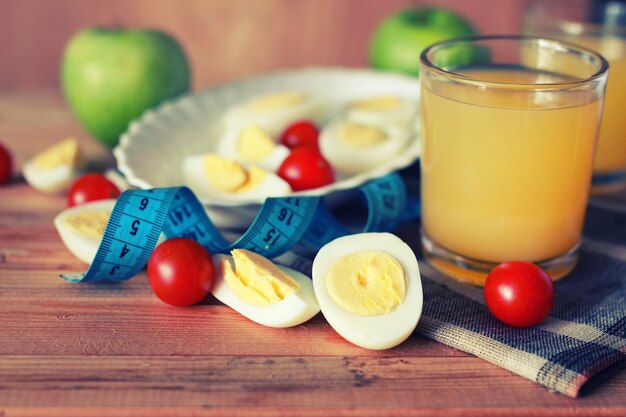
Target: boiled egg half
<point x="213" y="177"/>
<point x="353" y="147"/>
<point x="383" y="110"/>
<point x="274" y="112"/>
<point x="265" y="293"/>
<point x="53" y="170"/>
<point x="369" y="288"/>
<point x="81" y="227"/>
<point x="251" y="145"/>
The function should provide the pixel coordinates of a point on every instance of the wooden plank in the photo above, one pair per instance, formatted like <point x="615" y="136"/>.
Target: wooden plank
<point x="128" y="325"/>
<point x="297" y="383"/>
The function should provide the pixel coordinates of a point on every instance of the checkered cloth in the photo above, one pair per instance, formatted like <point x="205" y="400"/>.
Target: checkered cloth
<point x="582" y="343"/>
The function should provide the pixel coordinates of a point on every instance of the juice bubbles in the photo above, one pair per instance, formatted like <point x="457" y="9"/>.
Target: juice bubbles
<point x="506" y="166"/>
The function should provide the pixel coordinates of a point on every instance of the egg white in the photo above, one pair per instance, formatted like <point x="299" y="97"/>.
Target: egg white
<point x="55" y="179"/>
<point x="404" y="115"/>
<point x="194" y="178"/>
<point x="372" y="332"/>
<point x="50" y="180"/>
<point x="294" y="309"/>
<point x="274" y="121"/>
<point x="351" y="160"/>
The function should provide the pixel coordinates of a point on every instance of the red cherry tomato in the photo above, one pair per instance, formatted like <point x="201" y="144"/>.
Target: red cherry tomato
<point x="91" y="187"/>
<point x="306" y="168"/>
<point x="6" y="165"/>
<point x="518" y="293"/>
<point x="300" y="134"/>
<point x="180" y="272"/>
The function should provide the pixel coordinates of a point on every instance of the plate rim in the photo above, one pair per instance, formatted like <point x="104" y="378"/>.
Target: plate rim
<point x="410" y="154"/>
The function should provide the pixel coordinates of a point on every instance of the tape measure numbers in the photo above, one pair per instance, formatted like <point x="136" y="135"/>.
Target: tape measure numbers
<point x="139" y="217"/>
<point x="385" y="199"/>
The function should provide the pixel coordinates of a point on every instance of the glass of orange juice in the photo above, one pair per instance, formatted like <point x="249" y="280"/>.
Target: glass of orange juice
<point x="598" y="25"/>
<point x="508" y="141"/>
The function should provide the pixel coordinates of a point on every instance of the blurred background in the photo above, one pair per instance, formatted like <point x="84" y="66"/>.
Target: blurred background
<point x="224" y="39"/>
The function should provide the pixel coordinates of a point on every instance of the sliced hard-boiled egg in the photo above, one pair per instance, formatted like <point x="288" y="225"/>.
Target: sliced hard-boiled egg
<point x="81" y="227"/>
<point x="211" y="176"/>
<point x="369" y="288"/>
<point x="383" y="110"/>
<point x="353" y="147"/>
<point x="274" y="112"/>
<point x="251" y="145"/>
<point x="265" y="293"/>
<point x="53" y="170"/>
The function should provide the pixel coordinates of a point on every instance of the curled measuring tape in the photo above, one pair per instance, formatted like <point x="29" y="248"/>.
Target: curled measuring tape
<point x="139" y="217"/>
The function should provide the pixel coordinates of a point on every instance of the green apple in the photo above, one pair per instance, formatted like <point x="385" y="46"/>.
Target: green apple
<point x="111" y="76"/>
<point x="461" y="54"/>
<point x="400" y="39"/>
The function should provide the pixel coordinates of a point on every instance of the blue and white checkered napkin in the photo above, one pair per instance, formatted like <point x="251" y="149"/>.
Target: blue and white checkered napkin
<point x="582" y="343"/>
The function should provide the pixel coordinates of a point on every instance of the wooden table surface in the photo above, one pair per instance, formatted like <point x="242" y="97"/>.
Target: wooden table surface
<point x="116" y="350"/>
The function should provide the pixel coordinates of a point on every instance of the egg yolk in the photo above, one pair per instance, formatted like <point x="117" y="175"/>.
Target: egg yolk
<point x="277" y="101"/>
<point x="229" y="176"/>
<point x="360" y="135"/>
<point x="255" y="177"/>
<point x="63" y="153"/>
<point x="367" y="283"/>
<point x="224" y="174"/>
<point x="254" y="144"/>
<point x="88" y="223"/>
<point x="256" y="280"/>
<point x="377" y="104"/>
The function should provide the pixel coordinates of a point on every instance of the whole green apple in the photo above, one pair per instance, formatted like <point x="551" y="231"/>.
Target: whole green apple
<point x="111" y="76"/>
<point x="399" y="39"/>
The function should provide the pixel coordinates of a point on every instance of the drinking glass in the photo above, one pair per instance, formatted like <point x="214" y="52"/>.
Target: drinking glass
<point x="509" y="127"/>
<point x="598" y="25"/>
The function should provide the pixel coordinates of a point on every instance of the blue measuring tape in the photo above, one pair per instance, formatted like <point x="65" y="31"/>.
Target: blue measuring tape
<point x="139" y="217"/>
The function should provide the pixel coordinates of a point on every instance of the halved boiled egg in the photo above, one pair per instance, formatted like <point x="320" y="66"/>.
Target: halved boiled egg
<point x="251" y="145"/>
<point x="369" y="288"/>
<point x="54" y="169"/>
<point x="211" y="176"/>
<point x="382" y="110"/>
<point x="274" y="112"/>
<point x="265" y="293"/>
<point x="353" y="147"/>
<point x="81" y="227"/>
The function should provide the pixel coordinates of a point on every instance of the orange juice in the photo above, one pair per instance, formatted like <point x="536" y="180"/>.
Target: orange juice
<point x="611" y="150"/>
<point x="506" y="176"/>
<point x="610" y="159"/>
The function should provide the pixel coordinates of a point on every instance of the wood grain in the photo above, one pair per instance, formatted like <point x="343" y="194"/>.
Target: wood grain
<point x="224" y="39"/>
<point x="116" y="350"/>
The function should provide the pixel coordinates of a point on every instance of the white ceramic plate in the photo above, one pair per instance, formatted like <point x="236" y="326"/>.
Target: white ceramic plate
<point x="150" y="153"/>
